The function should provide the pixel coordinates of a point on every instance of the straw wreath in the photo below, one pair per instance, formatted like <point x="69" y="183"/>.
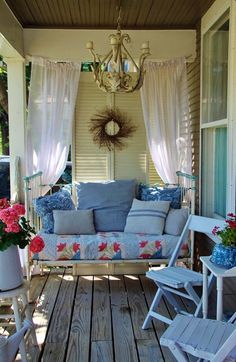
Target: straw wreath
<point x="99" y="127"/>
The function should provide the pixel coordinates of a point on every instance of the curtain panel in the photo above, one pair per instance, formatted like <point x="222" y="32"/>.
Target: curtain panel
<point x="164" y="97"/>
<point x="52" y="97"/>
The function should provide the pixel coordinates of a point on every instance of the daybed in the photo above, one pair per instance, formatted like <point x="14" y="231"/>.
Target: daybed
<point x="110" y="225"/>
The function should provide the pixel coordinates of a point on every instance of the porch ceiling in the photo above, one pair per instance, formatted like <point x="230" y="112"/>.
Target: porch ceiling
<point x="102" y="14"/>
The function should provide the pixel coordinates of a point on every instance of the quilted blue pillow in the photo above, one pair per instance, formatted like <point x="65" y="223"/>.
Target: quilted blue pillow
<point x="173" y="195"/>
<point x="155" y="193"/>
<point x="45" y="205"/>
<point x="149" y="193"/>
<point x="110" y="201"/>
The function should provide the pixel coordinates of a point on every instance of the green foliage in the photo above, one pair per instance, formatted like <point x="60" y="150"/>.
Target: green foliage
<point x="228" y="234"/>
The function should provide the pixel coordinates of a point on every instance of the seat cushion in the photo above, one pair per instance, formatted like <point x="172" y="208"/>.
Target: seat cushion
<point x="110" y="201"/>
<point x="108" y="246"/>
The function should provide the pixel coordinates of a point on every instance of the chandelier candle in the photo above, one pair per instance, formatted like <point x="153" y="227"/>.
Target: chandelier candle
<point x="111" y="71"/>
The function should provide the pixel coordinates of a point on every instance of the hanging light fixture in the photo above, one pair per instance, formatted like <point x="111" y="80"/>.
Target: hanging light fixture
<point x="111" y="72"/>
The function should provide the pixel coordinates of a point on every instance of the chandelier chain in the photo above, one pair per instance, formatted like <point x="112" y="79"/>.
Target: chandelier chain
<point x="119" y="18"/>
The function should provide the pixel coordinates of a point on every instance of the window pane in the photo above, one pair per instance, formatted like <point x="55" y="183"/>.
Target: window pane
<point x="220" y="171"/>
<point x="215" y="71"/>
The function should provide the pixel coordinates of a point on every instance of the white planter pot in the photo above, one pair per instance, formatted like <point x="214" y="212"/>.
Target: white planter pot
<point x="10" y="269"/>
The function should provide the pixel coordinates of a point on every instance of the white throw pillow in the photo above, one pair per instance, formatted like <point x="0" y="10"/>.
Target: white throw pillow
<point x="175" y="221"/>
<point x="147" y="217"/>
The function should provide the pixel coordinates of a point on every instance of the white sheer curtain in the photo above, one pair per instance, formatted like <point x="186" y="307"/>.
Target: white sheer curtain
<point x="164" y="97"/>
<point x="52" y="97"/>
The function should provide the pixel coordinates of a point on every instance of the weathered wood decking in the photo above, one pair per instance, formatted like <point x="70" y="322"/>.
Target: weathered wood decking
<point x="99" y="318"/>
<point x="96" y="318"/>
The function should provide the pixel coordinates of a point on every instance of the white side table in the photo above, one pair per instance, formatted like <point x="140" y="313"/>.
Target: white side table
<point x="220" y="274"/>
<point x="14" y="295"/>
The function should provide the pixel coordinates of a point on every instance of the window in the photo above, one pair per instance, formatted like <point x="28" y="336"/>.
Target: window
<point x="220" y="171"/>
<point x="214" y="117"/>
<point x="215" y="71"/>
<point x="214" y="171"/>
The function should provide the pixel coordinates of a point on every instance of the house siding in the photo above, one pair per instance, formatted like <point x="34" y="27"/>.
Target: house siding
<point x="92" y="163"/>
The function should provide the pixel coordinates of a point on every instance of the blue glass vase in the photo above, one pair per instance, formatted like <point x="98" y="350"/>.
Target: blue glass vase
<point x="224" y="256"/>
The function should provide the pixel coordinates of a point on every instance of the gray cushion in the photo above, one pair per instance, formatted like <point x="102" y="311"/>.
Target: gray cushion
<point x="110" y="201"/>
<point x="73" y="222"/>
<point x="175" y="221"/>
<point x="147" y="217"/>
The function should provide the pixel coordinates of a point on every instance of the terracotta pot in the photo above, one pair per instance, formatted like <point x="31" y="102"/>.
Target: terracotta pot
<point x="10" y="269"/>
<point x="224" y="256"/>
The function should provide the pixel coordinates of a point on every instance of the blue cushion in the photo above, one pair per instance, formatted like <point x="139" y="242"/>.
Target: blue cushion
<point x="155" y="193"/>
<point x="73" y="222"/>
<point x="148" y="192"/>
<point x="173" y="195"/>
<point x="45" y="205"/>
<point x="110" y="201"/>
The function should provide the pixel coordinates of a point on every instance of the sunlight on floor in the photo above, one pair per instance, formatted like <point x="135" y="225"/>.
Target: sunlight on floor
<point x="111" y="277"/>
<point x="131" y="277"/>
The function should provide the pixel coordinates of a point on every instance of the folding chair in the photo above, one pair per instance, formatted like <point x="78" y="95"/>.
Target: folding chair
<point x="203" y="338"/>
<point x="171" y="279"/>
<point x="9" y="346"/>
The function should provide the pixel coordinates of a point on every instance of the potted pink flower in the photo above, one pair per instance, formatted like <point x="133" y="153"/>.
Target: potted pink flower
<point x="224" y="253"/>
<point x="15" y="231"/>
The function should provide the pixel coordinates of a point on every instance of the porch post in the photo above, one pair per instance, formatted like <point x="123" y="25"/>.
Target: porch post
<point x="17" y="115"/>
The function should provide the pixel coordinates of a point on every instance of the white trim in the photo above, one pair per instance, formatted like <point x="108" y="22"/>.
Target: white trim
<point x="215" y="124"/>
<point x="210" y="18"/>
<point x="112" y="261"/>
<point x="218" y="8"/>
<point x="17" y="115"/>
<point x="231" y="164"/>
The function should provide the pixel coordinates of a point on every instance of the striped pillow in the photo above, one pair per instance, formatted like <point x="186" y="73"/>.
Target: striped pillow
<point x="147" y="217"/>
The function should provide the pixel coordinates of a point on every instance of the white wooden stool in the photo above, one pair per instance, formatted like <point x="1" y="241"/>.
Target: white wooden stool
<point x="15" y="295"/>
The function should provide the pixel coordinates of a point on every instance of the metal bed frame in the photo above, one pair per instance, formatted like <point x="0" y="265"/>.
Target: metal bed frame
<point x="34" y="187"/>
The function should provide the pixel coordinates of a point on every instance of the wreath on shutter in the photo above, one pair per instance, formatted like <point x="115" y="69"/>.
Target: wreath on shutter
<point x="109" y="128"/>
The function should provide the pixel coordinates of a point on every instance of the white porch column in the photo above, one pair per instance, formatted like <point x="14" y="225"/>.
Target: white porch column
<point x="16" y="114"/>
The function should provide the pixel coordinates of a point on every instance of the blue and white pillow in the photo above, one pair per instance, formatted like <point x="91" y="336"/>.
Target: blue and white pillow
<point x="155" y="193"/>
<point x="149" y="192"/>
<point x="173" y="195"/>
<point x="147" y="217"/>
<point x="45" y="205"/>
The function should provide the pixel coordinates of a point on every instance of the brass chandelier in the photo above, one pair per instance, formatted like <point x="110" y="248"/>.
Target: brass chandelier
<point x="111" y="72"/>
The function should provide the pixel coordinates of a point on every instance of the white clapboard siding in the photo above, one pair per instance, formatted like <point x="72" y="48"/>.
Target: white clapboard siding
<point x="90" y="162"/>
<point x="154" y="178"/>
<point x="131" y="161"/>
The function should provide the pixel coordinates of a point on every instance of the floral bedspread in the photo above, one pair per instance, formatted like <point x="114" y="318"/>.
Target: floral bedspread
<point x="107" y="246"/>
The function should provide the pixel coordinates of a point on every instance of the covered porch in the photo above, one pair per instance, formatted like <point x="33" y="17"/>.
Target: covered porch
<point x="100" y="317"/>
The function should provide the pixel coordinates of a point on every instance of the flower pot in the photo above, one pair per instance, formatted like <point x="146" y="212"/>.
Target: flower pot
<point x="10" y="269"/>
<point x="224" y="256"/>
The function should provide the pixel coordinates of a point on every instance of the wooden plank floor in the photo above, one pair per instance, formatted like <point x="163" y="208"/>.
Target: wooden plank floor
<point x="99" y="318"/>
